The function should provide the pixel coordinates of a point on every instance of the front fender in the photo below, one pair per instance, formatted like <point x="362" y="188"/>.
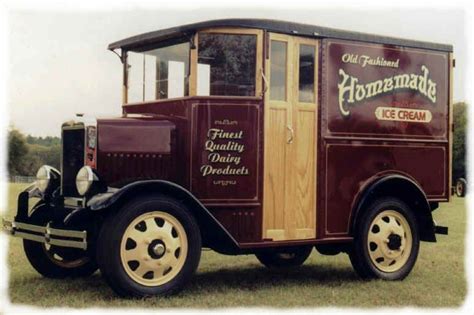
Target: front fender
<point x="214" y="234"/>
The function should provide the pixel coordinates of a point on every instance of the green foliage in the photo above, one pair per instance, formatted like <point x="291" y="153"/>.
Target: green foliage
<point x="46" y="141"/>
<point x="459" y="140"/>
<point x="27" y="154"/>
<point x="41" y="155"/>
<point x="17" y="150"/>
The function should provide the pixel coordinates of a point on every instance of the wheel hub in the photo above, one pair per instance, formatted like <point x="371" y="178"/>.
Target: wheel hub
<point x="394" y="241"/>
<point x="156" y="249"/>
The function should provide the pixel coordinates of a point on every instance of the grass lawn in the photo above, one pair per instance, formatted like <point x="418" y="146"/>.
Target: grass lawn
<point x="437" y="280"/>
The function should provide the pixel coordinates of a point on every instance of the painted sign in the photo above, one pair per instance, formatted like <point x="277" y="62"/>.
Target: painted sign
<point x="225" y="153"/>
<point x="383" y="90"/>
<point x="227" y="142"/>
<point x="353" y="92"/>
<point x="403" y="114"/>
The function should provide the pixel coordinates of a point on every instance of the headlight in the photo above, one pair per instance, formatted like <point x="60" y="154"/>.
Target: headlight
<point x="47" y="178"/>
<point x="84" y="179"/>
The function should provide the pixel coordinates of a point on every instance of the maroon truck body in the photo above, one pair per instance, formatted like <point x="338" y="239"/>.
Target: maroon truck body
<point x="355" y="145"/>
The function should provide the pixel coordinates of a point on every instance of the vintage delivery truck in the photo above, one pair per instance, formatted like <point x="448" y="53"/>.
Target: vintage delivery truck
<point x="249" y="136"/>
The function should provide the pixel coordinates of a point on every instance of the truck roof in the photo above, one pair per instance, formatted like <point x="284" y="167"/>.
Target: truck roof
<point x="276" y="26"/>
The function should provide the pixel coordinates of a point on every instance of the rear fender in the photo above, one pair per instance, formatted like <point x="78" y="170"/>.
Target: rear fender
<point x="404" y="188"/>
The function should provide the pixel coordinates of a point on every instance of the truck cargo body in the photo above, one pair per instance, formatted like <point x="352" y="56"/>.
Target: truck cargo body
<point x="381" y="109"/>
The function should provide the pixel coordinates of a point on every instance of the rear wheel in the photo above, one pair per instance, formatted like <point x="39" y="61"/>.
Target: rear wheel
<point x="386" y="241"/>
<point x="284" y="258"/>
<point x="55" y="261"/>
<point x="152" y="246"/>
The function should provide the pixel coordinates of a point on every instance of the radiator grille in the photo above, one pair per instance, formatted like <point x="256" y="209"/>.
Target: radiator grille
<point x="72" y="159"/>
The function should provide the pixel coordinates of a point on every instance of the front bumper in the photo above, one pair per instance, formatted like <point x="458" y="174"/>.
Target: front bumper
<point x="51" y="233"/>
<point x="46" y="234"/>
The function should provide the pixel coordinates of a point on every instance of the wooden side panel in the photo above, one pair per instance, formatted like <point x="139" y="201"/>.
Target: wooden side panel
<point x="275" y="174"/>
<point x="290" y="155"/>
<point x="276" y="181"/>
<point x="303" y="196"/>
<point x="304" y="179"/>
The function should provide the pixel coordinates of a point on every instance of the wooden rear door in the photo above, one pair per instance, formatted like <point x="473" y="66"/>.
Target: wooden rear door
<point x="289" y="208"/>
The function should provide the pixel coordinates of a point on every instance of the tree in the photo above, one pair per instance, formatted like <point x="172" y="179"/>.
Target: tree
<point x="27" y="154"/>
<point x="42" y="155"/>
<point x="47" y="141"/>
<point x="17" y="150"/>
<point x="459" y="140"/>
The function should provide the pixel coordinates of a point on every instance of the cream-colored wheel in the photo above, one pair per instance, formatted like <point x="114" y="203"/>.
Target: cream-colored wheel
<point x="389" y="241"/>
<point x="386" y="240"/>
<point x="150" y="246"/>
<point x="153" y="248"/>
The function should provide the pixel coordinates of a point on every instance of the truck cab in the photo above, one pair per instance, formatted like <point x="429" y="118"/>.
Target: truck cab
<point x="249" y="136"/>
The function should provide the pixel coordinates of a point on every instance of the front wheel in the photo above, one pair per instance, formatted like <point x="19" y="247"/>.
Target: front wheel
<point x="55" y="261"/>
<point x="386" y="241"/>
<point x="284" y="258"/>
<point x="152" y="246"/>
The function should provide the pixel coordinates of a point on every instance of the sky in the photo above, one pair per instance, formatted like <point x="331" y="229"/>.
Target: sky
<point x="59" y="64"/>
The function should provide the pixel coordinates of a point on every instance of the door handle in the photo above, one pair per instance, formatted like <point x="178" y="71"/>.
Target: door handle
<point x="265" y="82"/>
<point x="292" y="133"/>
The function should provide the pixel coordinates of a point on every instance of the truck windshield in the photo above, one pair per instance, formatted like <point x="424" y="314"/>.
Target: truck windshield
<point x="158" y="73"/>
<point x="226" y="64"/>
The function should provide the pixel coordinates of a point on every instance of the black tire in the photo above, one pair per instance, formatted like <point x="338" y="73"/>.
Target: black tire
<point x="110" y="249"/>
<point x="283" y="258"/>
<point x="54" y="261"/>
<point x="329" y="249"/>
<point x="397" y="251"/>
<point x="461" y="186"/>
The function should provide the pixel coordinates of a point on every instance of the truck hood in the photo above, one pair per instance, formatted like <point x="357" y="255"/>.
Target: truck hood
<point x="135" y="135"/>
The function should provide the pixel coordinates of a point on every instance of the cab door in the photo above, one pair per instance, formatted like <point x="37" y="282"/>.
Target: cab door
<point x="289" y="202"/>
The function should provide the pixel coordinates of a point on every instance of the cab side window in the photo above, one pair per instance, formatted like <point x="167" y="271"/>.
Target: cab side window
<point x="226" y="64"/>
<point x="159" y="73"/>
